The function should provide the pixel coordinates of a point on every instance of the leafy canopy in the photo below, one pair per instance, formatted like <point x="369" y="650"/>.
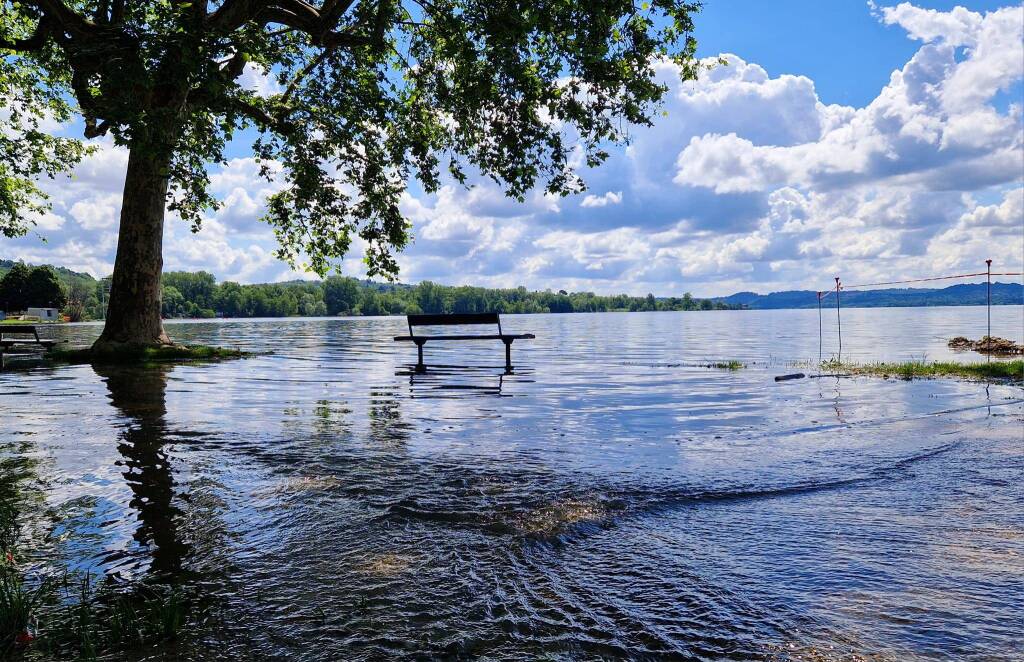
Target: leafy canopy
<point x="23" y="287"/>
<point x="372" y="93"/>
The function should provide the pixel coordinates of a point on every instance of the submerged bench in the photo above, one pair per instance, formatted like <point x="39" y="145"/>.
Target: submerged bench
<point x="460" y="319"/>
<point x="7" y="330"/>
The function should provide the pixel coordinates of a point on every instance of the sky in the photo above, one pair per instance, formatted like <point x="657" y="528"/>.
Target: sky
<point x="867" y="140"/>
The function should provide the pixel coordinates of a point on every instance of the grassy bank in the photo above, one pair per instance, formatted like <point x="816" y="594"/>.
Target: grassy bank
<point x="1002" y="370"/>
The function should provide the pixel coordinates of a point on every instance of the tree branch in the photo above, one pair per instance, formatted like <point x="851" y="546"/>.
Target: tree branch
<point x="299" y="15"/>
<point x="68" y="20"/>
<point x="117" y="12"/>
<point x="332" y="11"/>
<point x="33" y="43"/>
<point x="303" y="10"/>
<point x="309" y="68"/>
<point x="87" y="102"/>
<point x="233" y="14"/>
<point x="380" y="24"/>
<point x="287" y="17"/>
<point x="256" y="114"/>
<point x="233" y="68"/>
<point x="94" y="130"/>
<point x="102" y="14"/>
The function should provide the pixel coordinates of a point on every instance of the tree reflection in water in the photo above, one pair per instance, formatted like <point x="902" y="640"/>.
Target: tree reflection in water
<point x="139" y="394"/>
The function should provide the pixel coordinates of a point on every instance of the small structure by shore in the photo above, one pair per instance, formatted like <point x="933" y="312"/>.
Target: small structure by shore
<point x="43" y="314"/>
<point x="987" y="345"/>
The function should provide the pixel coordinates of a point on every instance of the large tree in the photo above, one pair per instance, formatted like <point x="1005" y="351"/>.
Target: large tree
<point x="39" y="287"/>
<point x="341" y="295"/>
<point x="43" y="288"/>
<point x="373" y="93"/>
<point x="14" y="288"/>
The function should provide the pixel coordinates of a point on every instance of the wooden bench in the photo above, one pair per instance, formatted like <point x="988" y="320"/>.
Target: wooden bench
<point x="22" y="330"/>
<point x="460" y="319"/>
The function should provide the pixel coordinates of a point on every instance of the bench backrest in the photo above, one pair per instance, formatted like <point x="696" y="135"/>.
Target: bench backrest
<point x="453" y="319"/>
<point x="18" y="329"/>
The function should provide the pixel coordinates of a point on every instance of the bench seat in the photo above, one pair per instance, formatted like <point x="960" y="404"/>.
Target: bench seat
<point x="504" y="336"/>
<point x="42" y="341"/>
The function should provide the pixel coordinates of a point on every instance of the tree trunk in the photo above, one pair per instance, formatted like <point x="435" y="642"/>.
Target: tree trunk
<point x="133" y="313"/>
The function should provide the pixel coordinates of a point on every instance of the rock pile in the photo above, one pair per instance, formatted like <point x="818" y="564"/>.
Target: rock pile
<point x="986" y="345"/>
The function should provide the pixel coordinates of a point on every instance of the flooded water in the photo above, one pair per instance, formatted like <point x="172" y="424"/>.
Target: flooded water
<point x="610" y="498"/>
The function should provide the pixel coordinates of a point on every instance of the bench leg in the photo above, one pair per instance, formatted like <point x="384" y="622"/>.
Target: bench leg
<point x="420" y="367"/>
<point x="508" y="355"/>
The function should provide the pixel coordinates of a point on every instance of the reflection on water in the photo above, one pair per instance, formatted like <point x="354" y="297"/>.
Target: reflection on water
<point x="608" y="499"/>
<point x="139" y="395"/>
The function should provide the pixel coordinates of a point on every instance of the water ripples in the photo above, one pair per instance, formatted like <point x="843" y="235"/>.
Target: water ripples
<point x="612" y="497"/>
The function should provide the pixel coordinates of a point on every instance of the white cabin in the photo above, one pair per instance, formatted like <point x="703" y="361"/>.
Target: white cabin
<point x="44" y="314"/>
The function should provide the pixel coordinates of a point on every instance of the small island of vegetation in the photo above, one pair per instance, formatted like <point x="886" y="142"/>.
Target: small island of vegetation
<point x="1001" y="370"/>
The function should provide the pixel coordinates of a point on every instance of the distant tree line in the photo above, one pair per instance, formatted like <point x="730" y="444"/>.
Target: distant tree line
<point x="198" y="294"/>
<point x="24" y="287"/>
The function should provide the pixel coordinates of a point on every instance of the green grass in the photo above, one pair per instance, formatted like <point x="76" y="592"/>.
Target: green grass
<point x="147" y="354"/>
<point x="18" y="604"/>
<point x="1001" y="370"/>
<point x="728" y="365"/>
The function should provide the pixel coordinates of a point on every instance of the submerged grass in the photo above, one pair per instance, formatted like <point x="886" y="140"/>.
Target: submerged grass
<point x="19" y="604"/>
<point x="94" y="620"/>
<point x="1002" y="370"/>
<point x="75" y="618"/>
<point x="147" y="354"/>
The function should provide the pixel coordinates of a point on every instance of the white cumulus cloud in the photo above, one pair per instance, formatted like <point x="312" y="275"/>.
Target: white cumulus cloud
<point x="609" y="198"/>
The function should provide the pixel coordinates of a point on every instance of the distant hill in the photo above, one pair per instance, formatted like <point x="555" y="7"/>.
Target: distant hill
<point x="66" y="275"/>
<point x="967" y="294"/>
<point x="77" y="283"/>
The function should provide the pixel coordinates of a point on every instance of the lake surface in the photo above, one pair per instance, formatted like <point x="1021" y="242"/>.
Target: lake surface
<point x="611" y="498"/>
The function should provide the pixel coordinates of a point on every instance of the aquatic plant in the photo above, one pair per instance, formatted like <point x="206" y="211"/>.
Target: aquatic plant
<point x="84" y="620"/>
<point x="77" y="618"/>
<point x="1002" y="370"/>
<point x="18" y="604"/>
<point x="8" y="526"/>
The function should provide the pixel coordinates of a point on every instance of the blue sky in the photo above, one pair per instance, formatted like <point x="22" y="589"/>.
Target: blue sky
<point x="873" y="141"/>
<point x="838" y="44"/>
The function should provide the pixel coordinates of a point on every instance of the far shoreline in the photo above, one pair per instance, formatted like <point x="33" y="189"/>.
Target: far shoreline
<point x="315" y="318"/>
